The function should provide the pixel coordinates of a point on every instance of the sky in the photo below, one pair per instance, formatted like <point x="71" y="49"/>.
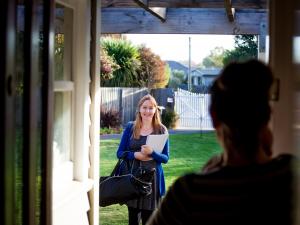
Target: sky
<point x="176" y="46"/>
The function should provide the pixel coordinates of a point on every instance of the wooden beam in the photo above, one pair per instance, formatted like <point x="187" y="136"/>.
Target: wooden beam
<point x="159" y="12"/>
<point x="262" y="38"/>
<point x="297" y="18"/>
<point x="181" y="21"/>
<point x="229" y="10"/>
<point x="237" y="4"/>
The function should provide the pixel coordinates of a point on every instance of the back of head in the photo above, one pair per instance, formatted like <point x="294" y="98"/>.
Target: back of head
<point x="240" y="101"/>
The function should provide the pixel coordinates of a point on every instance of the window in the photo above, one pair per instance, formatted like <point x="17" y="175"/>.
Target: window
<point x="63" y="94"/>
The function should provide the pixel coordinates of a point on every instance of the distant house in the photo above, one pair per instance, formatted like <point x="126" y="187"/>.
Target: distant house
<point x="204" y="77"/>
<point x="196" y="77"/>
<point x="201" y="78"/>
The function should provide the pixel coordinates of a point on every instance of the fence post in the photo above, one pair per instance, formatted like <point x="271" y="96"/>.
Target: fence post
<point x="120" y="98"/>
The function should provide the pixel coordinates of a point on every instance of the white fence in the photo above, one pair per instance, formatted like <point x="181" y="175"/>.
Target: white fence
<point x="193" y="110"/>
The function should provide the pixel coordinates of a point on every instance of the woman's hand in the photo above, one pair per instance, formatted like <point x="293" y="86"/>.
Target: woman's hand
<point x="141" y="156"/>
<point x="146" y="149"/>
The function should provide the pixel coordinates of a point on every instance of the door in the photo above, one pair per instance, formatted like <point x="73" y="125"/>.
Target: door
<point x="25" y="120"/>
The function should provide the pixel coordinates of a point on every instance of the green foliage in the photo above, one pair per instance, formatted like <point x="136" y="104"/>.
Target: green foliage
<point x="174" y="82"/>
<point x="177" y="78"/>
<point x="153" y="72"/>
<point x="125" y="65"/>
<point x="215" y="58"/>
<point x="184" y="157"/>
<point x="107" y="66"/>
<point x="166" y="77"/>
<point x="107" y="130"/>
<point x="127" y="57"/>
<point x="245" y="49"/>
<point x="179" y="74"/>
<point x="169" y="118"/>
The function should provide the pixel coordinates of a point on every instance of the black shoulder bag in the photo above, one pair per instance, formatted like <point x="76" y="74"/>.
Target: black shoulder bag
<point x="122" y="185"/>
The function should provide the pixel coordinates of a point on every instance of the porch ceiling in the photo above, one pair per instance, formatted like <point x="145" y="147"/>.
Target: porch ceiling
<point x="184" y="17"/>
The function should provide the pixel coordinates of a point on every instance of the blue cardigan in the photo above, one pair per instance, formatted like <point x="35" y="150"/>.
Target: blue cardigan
<point x="158" y="157"/>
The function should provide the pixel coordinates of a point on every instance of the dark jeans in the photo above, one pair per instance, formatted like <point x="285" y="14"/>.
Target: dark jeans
<point x="134" y="216"/>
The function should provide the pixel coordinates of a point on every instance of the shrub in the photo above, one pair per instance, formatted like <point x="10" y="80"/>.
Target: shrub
<point x="177" y="78"/>
<point x="126" y="56"/>
<point x="110" y="118"/>
<point x="107" y="66"/>
<point x="170" y="118"/>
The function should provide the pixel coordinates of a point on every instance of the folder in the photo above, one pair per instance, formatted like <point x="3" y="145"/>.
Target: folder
<point x="157" y="141"/>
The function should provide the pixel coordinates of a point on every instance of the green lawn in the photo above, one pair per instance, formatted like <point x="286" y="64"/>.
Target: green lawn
<point x="188" y="152"/>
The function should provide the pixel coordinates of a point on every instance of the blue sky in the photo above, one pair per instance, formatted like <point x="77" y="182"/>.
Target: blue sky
<point x="176" y="46"/>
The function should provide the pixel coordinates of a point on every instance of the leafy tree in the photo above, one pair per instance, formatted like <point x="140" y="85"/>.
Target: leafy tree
<point x="127" y="57"/>
<point x="153" y="72"/>
<point x="245" y="49"/>
<point x="177" y="78"/>
<point x="166" y="77"/>
<point x="215" y="58"/>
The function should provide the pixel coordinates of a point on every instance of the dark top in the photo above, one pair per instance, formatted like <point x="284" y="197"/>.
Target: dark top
<point x="254" y="194"/>
<point x="148" y="202"/>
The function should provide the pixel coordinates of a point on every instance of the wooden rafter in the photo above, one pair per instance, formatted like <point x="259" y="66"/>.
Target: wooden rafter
<point x="158" y="12"/>
<point x="181" y="21"/>
<point x="229" y="10"/>
<point x="237" y="4"/>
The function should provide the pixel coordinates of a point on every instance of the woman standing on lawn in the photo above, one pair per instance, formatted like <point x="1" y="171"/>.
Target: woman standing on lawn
<point x="134" y="137"/>
<point x="246" y="184"/>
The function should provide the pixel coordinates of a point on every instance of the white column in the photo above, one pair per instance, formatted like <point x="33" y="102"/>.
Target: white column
<point x="82" y="81"/>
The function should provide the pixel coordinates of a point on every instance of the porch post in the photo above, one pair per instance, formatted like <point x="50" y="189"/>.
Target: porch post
<point x="281" y="49"/>
<point x="95" y="111"/>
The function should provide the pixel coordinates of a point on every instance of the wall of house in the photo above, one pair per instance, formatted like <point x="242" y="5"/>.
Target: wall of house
<point x="71" y="203"/>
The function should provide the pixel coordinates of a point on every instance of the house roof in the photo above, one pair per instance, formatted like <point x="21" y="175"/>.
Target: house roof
<point x="206" y="72"/>
<point x="174" y="65"/>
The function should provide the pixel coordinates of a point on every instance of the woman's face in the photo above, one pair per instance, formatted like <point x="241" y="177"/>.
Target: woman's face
<point x="147" y="110"/>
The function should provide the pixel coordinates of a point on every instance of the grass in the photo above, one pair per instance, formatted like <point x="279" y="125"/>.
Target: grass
<point x="188" y="152"/>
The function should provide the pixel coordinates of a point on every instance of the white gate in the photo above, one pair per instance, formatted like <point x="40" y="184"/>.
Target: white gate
<point x="193" y="110"/>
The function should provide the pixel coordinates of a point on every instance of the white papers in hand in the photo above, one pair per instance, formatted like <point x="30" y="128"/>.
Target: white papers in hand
<point x="157" y="141"/>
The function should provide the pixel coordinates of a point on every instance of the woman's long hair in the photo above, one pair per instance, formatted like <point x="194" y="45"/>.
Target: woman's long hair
<point x="240" y="103"/>
<point x="158" y="127"/>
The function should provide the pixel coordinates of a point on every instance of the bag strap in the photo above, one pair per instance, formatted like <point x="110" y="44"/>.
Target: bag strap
<point x="132" y="167"/>
<point x="121" y="159"/>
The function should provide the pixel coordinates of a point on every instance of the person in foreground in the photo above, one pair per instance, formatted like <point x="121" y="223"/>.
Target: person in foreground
<point x="134" y="137"/>
<point x="245" y="184"/>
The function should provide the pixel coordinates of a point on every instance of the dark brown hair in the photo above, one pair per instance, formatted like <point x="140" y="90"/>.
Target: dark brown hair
<point x="240" y="101"/>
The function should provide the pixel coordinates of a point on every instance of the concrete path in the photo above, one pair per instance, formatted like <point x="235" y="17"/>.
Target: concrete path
<point x="177" y="131"/>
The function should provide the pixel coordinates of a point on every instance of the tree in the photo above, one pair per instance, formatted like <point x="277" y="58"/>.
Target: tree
<point x="177" y="78"/>
<point x="126" y="56"/>
<point x="245" y="49"/>
<point x="153" y="72"/>
<point x="215" y="58"/>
